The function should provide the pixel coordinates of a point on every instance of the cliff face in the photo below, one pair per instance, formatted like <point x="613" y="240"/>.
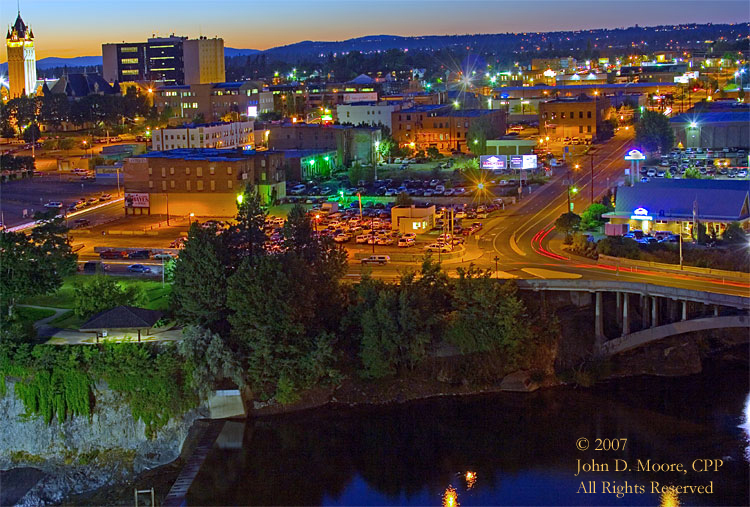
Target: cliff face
<point x="85" y="453"/>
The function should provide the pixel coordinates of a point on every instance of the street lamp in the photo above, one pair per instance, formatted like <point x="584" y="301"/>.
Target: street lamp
<point x="190" y="221"/>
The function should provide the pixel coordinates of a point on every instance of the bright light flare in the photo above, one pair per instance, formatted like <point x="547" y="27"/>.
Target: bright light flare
<point x="450" y="497"/>
<point x="669" y="499"/>
<point x="471" y="479"/>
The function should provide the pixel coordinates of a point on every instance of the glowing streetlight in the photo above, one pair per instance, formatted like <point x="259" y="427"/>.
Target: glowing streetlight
<point x="240" y="199"/>
<point x="456" y="104"/>
<point x="693" y="125"/>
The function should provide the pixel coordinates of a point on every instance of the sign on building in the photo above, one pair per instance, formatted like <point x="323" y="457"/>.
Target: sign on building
<point x="493" y="162"/>
<point x="133" y="200"/>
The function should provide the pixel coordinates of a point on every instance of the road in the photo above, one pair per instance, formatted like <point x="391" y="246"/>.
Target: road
<point x="520" y="238"/>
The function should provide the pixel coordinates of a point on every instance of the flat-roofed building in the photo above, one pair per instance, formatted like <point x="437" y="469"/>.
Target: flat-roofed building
<point x="240" y="99"/>
<point x="442" y="126"/>
<point x="237" y="134"/>
<point x="713" y="129"/>
<point x="413" y="218"/>
<point x="172" y="60"/>
<point x="369" y="113"/>
<point x="205" y="182"/>
<point x="671" y="205"/>
<point x="580" y="116"/>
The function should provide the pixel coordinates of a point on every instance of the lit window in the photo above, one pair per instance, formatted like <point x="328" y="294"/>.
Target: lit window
<point x="229" y="184"/>
<point x="128" y="60"/>
<point x="213" y="185"/>
<point x="199" y="185"/>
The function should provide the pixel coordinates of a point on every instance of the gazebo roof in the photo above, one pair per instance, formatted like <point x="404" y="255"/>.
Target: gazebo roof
<point x="122" y="317"/>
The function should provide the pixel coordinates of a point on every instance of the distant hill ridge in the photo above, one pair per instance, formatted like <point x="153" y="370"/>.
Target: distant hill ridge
<point x="558" y="40"/>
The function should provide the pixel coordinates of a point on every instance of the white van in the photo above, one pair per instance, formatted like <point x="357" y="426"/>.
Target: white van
<point x="376" y="259"/>
<point x="651" y="172"/>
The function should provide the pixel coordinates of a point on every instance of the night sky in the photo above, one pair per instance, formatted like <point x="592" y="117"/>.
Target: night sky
<point x="67" y="28"/>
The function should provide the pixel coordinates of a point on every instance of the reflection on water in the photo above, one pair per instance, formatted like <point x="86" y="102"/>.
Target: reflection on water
<point x="505" y="449"/>
<point x="745" y="425"/>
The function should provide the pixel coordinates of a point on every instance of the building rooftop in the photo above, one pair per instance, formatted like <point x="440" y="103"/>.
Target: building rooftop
<point x="425" y="108"/>
<point x="467" y="113"/>
<point x="210" y="154"/>
<point x="122" y="317"/>
<point x="716" y="199"/>
<point x="305" y="153"/>
<point x="713" y="117"/>
<point x="612" y="87"/>
<point x="201" y="125"/>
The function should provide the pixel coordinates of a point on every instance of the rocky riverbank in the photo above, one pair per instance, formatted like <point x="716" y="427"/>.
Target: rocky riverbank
<point x="82" y="453"/>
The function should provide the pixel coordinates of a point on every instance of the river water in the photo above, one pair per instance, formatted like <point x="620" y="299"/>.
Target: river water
<point x="501" y="449"/>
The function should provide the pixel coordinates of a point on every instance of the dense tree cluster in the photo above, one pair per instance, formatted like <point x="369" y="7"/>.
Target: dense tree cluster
<point x="24" y="114"/>
<point x="284" y="322"/>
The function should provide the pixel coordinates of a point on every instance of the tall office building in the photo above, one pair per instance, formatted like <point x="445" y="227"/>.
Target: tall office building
<point x="21" y="59"/>
<point x="165" y="60"/>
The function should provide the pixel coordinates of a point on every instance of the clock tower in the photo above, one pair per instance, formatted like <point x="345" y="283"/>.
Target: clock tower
<point x="21" y="59"/>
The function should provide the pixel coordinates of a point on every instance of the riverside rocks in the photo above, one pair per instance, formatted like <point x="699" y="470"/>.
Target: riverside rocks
<point x="85" y="453"/>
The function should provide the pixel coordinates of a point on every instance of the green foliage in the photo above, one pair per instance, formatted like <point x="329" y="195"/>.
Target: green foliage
<point x="398" y="323"/>
<point x="434" y="153"/>
<point x="200" y="281"/>
<point x="617" y="246"/>
<point x="567" y="222"/>
<point x="210" y="360"/>
<point x="275" y="326"/>
<point x="403" y="199"/>
<point x="734" y="233"/>
<point x="653" y="132"/>
<point x="591" y="218"/>
<point x="34" y="264"/>
<point x="699" y="232"/>
<point x="57" y="389"/>
<point x="104" y="293"/>
<point x="32" y="133"/>
<point x="152" y="381"/>
<point x="487" y="315"/>
<point x="691" y="173"/>
<point x="246" y="237"/>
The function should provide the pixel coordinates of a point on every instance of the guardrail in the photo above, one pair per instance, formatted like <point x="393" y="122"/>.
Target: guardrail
<point x="672" y="268"/>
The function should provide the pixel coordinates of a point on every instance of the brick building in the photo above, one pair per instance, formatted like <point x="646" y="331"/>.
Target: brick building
<point x="580" y="116"/>
<point x="351" y="143"/>
<point x="200" y="181"/>
<point x="246" y="99"/>
<point x="441" y="126"/>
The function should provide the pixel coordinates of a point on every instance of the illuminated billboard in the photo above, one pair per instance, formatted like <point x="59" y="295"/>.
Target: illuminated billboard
<point x="493" y="162"/>
<point x="529" y="162"/>
<point x="252" y="111"/>
<point x="523" y="162"/>
<point x="136" y="200"/>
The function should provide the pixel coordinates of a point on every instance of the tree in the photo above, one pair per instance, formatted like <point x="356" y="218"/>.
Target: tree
<point x="567" y="222"/>
<point x="357" y="173"/>
<point x="67" y="143"/>
<point x="480" y="130"/>
<point x="246" y="237"/>
<point x="404" y="199"/>
<point x="33" y="264"/>
<point x="275" y="331"/>
<point x="487" y="315"/>
<point x="32" y="133"/>
<point x="434" y="153"/>
<point x="699" y="232"/>
<point x="591" y="218"/>
<point x="691" y="173"/>
<point x="210" y="360"/>
<point x="104" y="293"/>
<point x="734" y="233"/>
<point x="653" y="132"/>
<point x="199" y="292"/>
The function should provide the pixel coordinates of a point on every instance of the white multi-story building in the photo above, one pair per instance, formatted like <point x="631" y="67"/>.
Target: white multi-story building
<point x="238" y="134"/>
<point x="370" y="113"/>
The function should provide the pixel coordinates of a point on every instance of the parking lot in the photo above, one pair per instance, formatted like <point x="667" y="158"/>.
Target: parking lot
<point x="728" y="163"/>
<point x="32" y="194"/>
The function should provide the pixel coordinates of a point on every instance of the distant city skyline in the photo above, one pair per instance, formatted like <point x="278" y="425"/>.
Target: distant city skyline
<point x="79" y="27"/>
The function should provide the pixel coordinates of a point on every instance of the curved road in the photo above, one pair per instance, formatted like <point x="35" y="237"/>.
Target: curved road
<point x="520" y="238"/>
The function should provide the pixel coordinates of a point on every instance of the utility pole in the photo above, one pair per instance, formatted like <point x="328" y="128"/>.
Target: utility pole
<point x="680" y="246"/>
<point x="592" y="177"/>
<point x="166" y="195"/>
<point x="496" y="270"/>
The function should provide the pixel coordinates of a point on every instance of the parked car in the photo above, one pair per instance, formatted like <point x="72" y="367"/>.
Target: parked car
<point x="94" y="266"/>
<point x="54" y="204"/>
<point x="376" y="259"/>
<point x="113" y="254"/>
<point x="438" y="247"/>
<point x="139" y="254"/>
<point x="164" y="256"/>
<point x="105" y="197"/>
<point x="139" y="268"/>
<point x="81" y="222"/>
<point x="405" y="243"/>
